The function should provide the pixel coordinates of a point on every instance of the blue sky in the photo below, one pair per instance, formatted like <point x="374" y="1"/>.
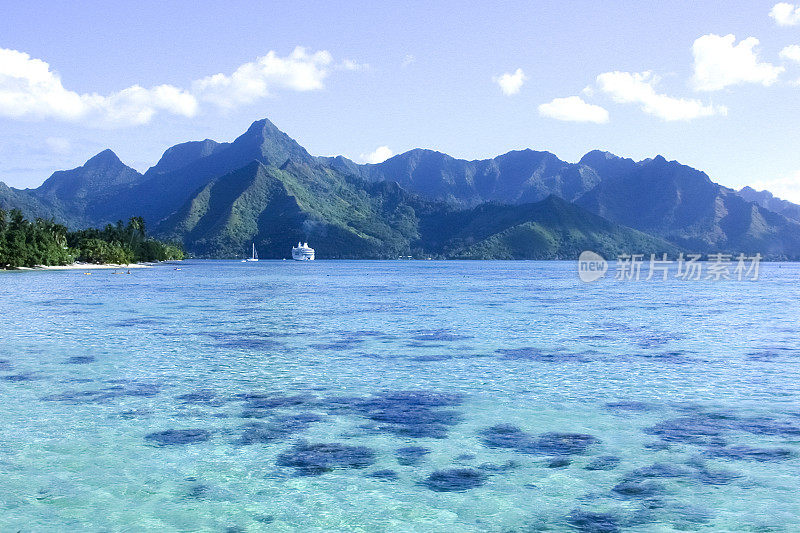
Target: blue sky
<point x="683" y="79"/>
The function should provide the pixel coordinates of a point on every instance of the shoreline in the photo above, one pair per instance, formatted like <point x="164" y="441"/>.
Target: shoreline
<point x="83" y="266"/>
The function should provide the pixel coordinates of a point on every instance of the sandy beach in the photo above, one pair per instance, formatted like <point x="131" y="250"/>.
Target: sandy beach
<point x="88" y="266"/>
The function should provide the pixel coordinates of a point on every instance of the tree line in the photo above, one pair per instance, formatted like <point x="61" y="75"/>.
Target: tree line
<point x="25" y="243"/>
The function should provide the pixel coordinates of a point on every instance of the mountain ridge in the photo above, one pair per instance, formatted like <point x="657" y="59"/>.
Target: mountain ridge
<point x="661" y="198"/>
<point x="348" y="218"/>
<point x="771" y="202"/>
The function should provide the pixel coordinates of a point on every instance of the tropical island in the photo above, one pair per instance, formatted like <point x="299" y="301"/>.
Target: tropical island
<point x="42" y="242"/>
<point x="218" y="199"/>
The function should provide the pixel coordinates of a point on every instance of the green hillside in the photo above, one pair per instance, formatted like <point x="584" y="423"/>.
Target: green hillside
<point x="550" y="229"/>
<point x="265" y="188"/>
<point x="343" y="217"/>
<point x="277" y="207"/>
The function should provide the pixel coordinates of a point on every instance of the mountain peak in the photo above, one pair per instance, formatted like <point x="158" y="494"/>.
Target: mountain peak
<point x="100" y="177"/>
<point x="747" y="192"/>
<point x="597" y="156"/>
<point x="260" y="126"/>
<point x="264" y="130"/>
<point x="105" y="158"/>
<point x="181" y="155"/>
<point x="555" y="200"/>
<point x="265" y="142"/>
<point x="423" y="152"/>
<point x="528" y="155"/>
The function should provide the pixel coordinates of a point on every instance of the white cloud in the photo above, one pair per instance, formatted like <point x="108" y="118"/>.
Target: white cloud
<point x="381" y="154"/>
<point x="30" y="88"/>
<point x="787" y="187"/>
<point x="137" y="105"/>
<point x="573" y="109"/>
<point x="511" y="83"/>
<point x="409" y="59"/>
<point x="299" y="71"/>
<point x="719" y="63"/>
<point x="791" y="52"/>
<point x="785" y="14"/>
<point x="639" y="88"/>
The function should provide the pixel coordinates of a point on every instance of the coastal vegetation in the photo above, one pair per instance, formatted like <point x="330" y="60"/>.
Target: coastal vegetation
<point x="25" y="243"/>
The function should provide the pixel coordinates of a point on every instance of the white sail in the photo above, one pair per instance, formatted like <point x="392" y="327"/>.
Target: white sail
<point x="254" y="257"/>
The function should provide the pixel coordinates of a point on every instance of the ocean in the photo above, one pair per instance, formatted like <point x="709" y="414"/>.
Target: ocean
<point x="394" y="396"/>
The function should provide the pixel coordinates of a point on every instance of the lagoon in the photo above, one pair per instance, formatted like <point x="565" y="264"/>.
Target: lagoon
<point x="397" y="396"/>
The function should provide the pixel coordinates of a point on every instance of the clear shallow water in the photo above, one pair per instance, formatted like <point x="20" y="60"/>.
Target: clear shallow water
<point x="397" y="396"/>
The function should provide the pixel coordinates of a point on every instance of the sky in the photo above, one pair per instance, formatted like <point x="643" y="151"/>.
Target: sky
<point x="713" y="85"/>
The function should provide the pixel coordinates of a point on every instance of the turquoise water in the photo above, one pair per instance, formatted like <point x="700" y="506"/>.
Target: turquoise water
<point x="397" y="396"/>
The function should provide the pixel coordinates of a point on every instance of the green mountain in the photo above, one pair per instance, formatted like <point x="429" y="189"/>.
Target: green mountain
<point x="83" y="196"/>
<point x="105" y="190"/>
<point x="31" y="207"/>
<point x="89" y="194"/>
<point x="100" y="175"/>
<point x="665" y="199"/>
<point x="265" y="187"/>
<point x="276" y="207"/>
<point x="161" y="193"/>
<point x="516" y="177"/>
<point x="550" y="229"/>
<point x="345" y="217"/>
<point x="180" y="155"/>
<point x="683" y="206"/>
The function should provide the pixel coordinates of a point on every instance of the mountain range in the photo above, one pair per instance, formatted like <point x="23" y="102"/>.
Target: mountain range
<point x="264" y="187"/>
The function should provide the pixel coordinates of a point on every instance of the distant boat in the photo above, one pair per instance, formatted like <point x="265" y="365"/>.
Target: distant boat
<point x="254" y="258"/>
<point x="303" y="252"/>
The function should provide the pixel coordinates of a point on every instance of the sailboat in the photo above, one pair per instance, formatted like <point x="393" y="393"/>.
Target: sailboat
<point x="253" y="258"/>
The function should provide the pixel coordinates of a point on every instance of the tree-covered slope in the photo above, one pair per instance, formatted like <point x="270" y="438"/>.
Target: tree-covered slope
<point x="682" y="205"/>
<point x="80" y="197"/>
<point x="550" y="229"/>
<point x="344" y="217"/>
<point x="277" y="207"/>
<point x="30" y="206"/>
<point x="163" y="193"/>
<point x="40" y="242"/>
<point x="89" y="193"/>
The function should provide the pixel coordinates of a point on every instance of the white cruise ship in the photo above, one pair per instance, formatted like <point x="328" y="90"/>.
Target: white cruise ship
<point x="303" y="252"/>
